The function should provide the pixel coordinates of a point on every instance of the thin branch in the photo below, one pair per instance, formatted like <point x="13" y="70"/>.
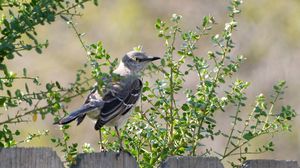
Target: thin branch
<point x="233" y="127"/>
<point x="248" y="153"/>
<point x="41" y="108"/>
<point x="244" y="143"/>
<point x="19" y="77"/>
<point x="172" y="101"/>
<point x="78" y="36"/>
<point x="270" y="111"/>
<point x="72" y="7"/>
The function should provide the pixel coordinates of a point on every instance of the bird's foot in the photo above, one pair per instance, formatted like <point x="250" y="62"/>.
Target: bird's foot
<point x="102" y="149"/>
<point x="122" y="150"/>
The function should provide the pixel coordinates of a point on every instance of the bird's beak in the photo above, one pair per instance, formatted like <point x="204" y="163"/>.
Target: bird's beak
<point x="151" y="59"/>
<point x="154" y="58"/>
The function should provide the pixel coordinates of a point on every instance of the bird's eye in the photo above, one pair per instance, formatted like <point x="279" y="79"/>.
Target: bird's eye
<point x="137" y="59"/>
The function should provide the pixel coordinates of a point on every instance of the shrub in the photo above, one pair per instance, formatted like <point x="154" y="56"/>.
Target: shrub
<point x="170" y="119"/>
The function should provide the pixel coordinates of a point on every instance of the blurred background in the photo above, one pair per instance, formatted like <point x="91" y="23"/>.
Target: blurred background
<point x="268" y="35"/>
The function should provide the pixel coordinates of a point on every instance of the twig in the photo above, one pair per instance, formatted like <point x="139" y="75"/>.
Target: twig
<point x="78" y="36"/>
<point x="172" y="101"/>
<point x="233" y="127"/>
<point x="270" y="110"/>
<point x="244" y="143"/>
<point x="41" y="108"/>
<point x="19" y="77"/>
<point x="72" y="7"/>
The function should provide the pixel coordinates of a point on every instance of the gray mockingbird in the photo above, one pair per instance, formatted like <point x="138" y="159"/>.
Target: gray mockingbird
<point x="120" y="95"/>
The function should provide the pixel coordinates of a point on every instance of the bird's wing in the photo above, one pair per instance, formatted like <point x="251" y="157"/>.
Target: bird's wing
<point x="119" y="101"/>
<point x="81" y="111"/>
<point x="93" y="96"/>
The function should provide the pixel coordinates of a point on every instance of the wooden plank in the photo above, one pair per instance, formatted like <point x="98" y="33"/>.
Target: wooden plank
<point x="29" y="158"/>
<point x="105" y="160"/>
<point x="46" y="158"/>
<point x="270" y="164"/>
<point x="191" y="162"/>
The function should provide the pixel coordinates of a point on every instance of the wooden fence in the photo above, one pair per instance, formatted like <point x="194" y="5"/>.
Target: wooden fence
<point x="46" y="158"/>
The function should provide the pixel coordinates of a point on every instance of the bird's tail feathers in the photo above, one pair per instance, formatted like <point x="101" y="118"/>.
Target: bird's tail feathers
<point x="75" y="114"/>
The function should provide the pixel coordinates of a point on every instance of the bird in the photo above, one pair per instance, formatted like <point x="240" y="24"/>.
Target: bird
<point x="114" y="106"/>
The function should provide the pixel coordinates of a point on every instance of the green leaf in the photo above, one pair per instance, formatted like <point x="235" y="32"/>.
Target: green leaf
<point x="3" y="67"/>
<point x="95" y="2"/>
<point x="248" y="136"/>
<point x="25" y="72"/>
<point x="18" y="93"/>
<point x="49" y="86"/>
<point x="185" y="107"/>
<point x="64" y="18"/>
<point x="36" y="81"/>
<point x="57" y="85"/>
<point x="53" y="140"/>
<point x="38" y="50"/>
<point x="26" y="88"/>
<point x="2" y="101"/>
<point x="17" y="132"/>
<point x="205" y="21"/>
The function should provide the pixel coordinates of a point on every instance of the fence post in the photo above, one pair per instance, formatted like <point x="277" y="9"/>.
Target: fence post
<point x="191" y="162"/>
<point x="29" y="158"/>
<point x="270" y="164"/>
<point x="105" y="160"/>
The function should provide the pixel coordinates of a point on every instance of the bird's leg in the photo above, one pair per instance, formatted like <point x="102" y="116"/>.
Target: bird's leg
<point x="120" y="140"/>
<point x="100" y="141"/>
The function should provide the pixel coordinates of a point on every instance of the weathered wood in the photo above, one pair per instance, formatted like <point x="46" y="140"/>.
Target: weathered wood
<point x="270" y="164"/>
<point x="191" y="162"/>
<point x="46" y="158"/>
<point x="29" y="158"/>
<point x="105" y="160"/>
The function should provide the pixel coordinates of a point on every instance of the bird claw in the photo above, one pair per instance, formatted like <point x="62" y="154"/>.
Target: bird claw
<point x="121" y="150"/>
<point x="118" y="155"/>
<point x="102" y="149"/>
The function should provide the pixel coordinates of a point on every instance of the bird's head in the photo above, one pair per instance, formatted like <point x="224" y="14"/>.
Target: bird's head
<point x="136" y="61"/>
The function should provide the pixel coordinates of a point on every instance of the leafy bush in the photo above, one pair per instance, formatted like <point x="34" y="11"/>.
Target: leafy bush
<point x="18" y="25"/>
<point x="170" y="119"/>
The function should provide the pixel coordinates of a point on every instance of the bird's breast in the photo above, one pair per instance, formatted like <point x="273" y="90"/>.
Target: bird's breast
<point x="94" y="114"/>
